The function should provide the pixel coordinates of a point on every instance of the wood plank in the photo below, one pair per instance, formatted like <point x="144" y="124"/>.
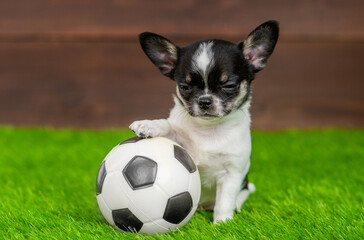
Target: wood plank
<point x="109" y="84"/>
<point x="303" y="18"/>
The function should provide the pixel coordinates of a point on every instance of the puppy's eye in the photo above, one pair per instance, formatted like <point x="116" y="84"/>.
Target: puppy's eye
<point x="184" y="87"/>
<point x="229" y="87"/>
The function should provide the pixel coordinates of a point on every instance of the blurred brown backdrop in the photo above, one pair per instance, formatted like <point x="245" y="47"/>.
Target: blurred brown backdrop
<point x="79" y="64"/>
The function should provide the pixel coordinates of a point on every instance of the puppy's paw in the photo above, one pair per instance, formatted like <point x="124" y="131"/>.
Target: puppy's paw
<point x="146" y="128"/>
<point x="222" y="217"/>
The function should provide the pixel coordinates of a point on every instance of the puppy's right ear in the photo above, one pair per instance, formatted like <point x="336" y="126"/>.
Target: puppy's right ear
<point x="162" y="52"/>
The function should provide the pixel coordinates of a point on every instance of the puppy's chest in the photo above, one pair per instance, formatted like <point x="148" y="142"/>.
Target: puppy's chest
<point x="211" y="145"/>
<point x="219" y="151"/>
<point x="215" y="149"/>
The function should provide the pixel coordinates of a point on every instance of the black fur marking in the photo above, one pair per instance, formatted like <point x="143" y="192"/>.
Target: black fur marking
<point x="179" y="100"/>
<point x="161" y="51"/>
<point x="244" y="185"/>
<point x="230" y="60"/>
<point x="260" y="43"/>
<point x="246" y="97"/>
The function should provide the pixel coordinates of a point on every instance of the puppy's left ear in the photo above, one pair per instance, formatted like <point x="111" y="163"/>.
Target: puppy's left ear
<point x="162" y="52"/>
<point x="259" y="44"/>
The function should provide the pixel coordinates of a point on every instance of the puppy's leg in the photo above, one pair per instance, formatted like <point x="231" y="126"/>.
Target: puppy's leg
<point x="227" y="190"/>
<point x="151" y="128"/>
<point x="243" y="195"/>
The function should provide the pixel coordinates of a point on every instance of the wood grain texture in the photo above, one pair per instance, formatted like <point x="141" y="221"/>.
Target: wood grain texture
<point x="79" y="64"/>
<point x="340" y="18"/>
<point x="112" y="84"/>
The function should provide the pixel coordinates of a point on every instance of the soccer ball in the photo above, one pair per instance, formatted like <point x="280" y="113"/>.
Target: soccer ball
<point x="148" y="186"/>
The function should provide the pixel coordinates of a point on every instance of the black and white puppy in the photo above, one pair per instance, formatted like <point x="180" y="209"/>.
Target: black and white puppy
<point x="211" y="116"/>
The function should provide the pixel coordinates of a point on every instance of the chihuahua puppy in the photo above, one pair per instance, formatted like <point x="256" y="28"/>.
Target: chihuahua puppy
<point x="211" y="118"/>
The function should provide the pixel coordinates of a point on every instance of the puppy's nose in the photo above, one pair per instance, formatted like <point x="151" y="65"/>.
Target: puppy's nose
<point x="205" y="102"/>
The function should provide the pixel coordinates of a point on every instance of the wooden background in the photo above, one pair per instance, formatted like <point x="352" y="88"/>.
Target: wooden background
<point x="78" y="63"/>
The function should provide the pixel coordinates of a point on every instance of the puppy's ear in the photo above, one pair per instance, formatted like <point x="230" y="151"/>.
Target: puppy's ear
<point x="162" y="52"/>
<point x="259" y="44"/>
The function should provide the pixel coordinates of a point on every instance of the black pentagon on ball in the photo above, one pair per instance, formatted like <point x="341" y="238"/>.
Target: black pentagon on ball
<point x="131" y="140"/>
<point x="178" y="207"/>
<point x="126" y="220"/>
<point x="140" y="172"/>
<point x="100" y="178"/>
<point x="183" y="157"/>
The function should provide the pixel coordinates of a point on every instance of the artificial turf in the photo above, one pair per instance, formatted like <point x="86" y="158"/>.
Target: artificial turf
<point x="310" y="185"/>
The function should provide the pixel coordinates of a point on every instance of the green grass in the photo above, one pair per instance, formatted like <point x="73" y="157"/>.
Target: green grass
<point x="310" y="185"/>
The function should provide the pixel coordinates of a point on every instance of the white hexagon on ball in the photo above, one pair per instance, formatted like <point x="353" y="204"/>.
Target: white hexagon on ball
<point x="148" y="186"/>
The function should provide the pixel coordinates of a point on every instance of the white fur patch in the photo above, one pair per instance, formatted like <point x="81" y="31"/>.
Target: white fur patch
<point x="203" y="59"/>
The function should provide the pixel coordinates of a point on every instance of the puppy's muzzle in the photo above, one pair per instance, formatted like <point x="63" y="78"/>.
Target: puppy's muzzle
<point x="205" y="102"/>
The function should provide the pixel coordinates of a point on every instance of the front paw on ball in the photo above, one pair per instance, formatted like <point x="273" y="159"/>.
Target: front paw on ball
<point x="144" y="129"/>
